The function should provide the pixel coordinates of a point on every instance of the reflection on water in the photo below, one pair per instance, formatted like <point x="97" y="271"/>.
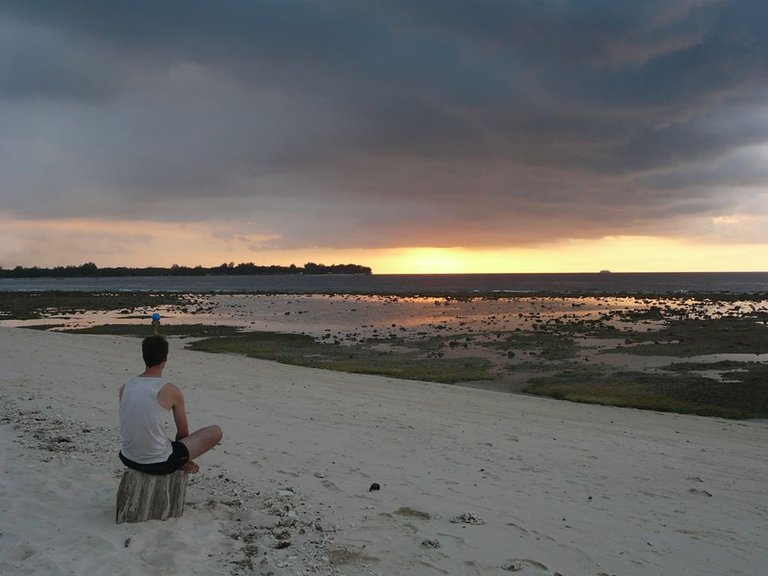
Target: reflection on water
<point x="461" y="326"/>
<point x="317" y="314"/>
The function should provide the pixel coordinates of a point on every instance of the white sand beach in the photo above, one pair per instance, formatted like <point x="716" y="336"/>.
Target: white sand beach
<point x="472" y="481"/>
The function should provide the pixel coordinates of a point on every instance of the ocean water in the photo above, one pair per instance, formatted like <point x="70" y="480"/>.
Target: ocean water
<point x="418" y="284"/>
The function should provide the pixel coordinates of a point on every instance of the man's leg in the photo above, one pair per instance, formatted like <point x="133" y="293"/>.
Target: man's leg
<point x="200" y="441"/>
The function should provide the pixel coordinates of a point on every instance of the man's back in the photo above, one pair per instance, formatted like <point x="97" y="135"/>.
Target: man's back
<point x="143" y="420"/>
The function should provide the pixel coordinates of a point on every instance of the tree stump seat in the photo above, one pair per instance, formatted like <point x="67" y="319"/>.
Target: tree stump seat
<point x="142" y="497"/>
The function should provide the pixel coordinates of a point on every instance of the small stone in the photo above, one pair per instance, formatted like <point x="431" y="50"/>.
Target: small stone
<point x="430" y="544"/>
<point x="282" y="544"/>
<point x="374" y="486"/>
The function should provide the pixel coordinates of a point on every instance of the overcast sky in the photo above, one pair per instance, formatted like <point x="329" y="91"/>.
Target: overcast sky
<point x="361" y="124"/>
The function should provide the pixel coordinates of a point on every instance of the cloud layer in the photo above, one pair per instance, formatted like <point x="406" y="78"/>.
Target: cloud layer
<point x="385" y="124"/>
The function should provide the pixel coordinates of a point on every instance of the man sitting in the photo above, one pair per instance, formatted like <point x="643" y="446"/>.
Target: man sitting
<point x="145" y="404"/>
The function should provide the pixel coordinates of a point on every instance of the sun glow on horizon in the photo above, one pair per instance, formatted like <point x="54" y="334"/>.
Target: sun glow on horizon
<point x="48" y="243"/>
<point x="618" y="254"/>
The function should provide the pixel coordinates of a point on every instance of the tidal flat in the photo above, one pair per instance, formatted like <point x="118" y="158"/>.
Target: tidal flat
<point x="702" y="354"/>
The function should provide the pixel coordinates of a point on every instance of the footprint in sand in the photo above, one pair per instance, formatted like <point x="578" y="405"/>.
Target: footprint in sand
<point x="343" y="556"/>
<point x="330" y="485"/>
<point x="412" y="513"/>
<point x="21" y="552"/>
<point x="446" y="536"/>
<point x="700" y="492"/>
<point x="525" y="566"/>
<point x="433" y="567"/>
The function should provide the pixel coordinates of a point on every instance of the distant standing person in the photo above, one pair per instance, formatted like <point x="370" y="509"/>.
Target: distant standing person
<point x="146" y="401"/>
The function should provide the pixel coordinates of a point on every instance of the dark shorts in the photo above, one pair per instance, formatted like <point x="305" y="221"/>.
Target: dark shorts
<point x="176" y="461"/>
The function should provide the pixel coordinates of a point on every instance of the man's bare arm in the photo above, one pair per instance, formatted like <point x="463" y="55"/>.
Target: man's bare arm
<point x="171" y="397"/>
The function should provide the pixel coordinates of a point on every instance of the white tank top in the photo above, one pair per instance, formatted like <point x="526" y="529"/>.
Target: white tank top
<point x="143" y="421"/>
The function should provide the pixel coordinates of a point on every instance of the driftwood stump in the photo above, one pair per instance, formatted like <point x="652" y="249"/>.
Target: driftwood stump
<point x="143" y="497"/>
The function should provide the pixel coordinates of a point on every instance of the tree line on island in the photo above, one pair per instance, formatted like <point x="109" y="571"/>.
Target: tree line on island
<point x="90" y="269"/>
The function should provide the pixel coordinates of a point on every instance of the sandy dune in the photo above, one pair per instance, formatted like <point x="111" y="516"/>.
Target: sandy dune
<point x="472" y="481"/>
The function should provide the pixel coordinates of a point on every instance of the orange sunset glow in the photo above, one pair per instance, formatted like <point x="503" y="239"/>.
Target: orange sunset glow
<point x="147" y="243"/>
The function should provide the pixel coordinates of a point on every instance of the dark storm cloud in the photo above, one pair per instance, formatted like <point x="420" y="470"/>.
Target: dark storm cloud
<point x="390" y="123"/>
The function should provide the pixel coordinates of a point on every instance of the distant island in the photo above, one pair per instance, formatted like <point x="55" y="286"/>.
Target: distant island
<point x="90" y="269"/>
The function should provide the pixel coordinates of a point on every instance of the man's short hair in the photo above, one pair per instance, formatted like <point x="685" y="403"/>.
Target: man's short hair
<point x="154" y="349"/>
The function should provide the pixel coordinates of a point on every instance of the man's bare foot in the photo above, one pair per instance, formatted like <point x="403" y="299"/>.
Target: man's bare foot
<point x="191" y="468"/>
